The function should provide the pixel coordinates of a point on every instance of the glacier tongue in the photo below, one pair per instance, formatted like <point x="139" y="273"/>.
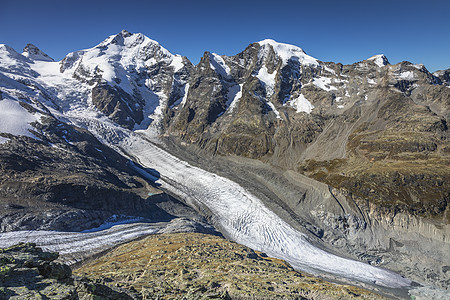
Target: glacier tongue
<point x="246" y="220"/>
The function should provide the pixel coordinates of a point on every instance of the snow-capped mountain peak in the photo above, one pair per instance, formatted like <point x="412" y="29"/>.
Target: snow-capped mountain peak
<point x="8" y="54"/>
<point x="123" y="50"/>
<point x="34" y="53"/>
<point x="287" y="52"/>
<point x="380" y="60"/>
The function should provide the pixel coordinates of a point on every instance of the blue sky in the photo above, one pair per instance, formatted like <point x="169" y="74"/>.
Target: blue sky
<point x="343" y="31"/>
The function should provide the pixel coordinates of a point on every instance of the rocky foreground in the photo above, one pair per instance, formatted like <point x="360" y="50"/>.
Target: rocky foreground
<point x="27" y="272"/>
<point x="166" y="266"/>
<point x="199" y="266"/>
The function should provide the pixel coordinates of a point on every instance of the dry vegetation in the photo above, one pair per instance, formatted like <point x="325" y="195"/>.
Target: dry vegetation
<point x="198" y="266"/>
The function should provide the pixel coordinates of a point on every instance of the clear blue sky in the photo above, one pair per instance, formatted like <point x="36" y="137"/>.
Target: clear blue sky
<point x="342" y="31"/>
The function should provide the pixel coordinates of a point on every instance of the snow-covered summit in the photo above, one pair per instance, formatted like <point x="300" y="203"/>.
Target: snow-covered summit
<point x="287" y="52"/>
<point x="118" y="53"/>
<point x="9" y="55"/>
<point x="380" y="60"/>
<point x="34" y="53"/>
<point x="133" y="40"/>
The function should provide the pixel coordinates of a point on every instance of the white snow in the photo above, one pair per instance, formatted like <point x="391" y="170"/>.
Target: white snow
<point x="177" y="62"/>
<point x="186" y="91"/>
<point x="301" y="104"/>
<point x="407" y="75"/>
<point x="273" y="108"/>
<point x="338" y="99"/>
<point x="419" y="67"/>
<point x="324" y="83"/>
<point x="286" y="52"/>
<point x="217" y="63"/>
<point x="233" y="96"/>
<point x="329" y="70"/>
<point x="268" y="79"/>
<point x="116" y="60"/>
<point x="35" y="54"/>
<point x="371" y="81"/>
<point x="15" y="119"/>
<point x="380" y="60"/>
<point x="113" y="221"/>
<point x="3" y="140"/>
<point x="340" y="106"/>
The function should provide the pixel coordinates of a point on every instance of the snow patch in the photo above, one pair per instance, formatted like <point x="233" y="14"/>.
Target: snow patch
<point x="185" y="96"/>
<point x="113" y="221"/>
<point x="15" y="119"/>
<point x="380" y="60"/>
<point x="277" y="113"/>
<point x="324" y="83"/>
<point x="287" y="52"/>
<point x="419" y="67"/>
<point x="233" y="96"/>
<point x="340" y="106"/>
<point x="301" y="104"/>
<point x="3" y="140"/>
<point x="177" y="63"/>
<point x="371" y="81"/>
<point x="217" y="63"/>
<point x="407" y="75"/>
<point x="329" y="70"/>
<point x="268" y="79"/>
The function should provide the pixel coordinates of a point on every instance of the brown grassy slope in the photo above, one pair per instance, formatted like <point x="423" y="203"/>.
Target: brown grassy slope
<point x="402" y="165"/>
<point x="197" y="266"/>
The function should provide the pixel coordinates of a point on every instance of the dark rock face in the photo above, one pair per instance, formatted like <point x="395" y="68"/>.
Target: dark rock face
<point x="117" y="105"/>
<point x="27" y="272"/>
<point x="35" y="53"/>
<point x="443" y="75"/>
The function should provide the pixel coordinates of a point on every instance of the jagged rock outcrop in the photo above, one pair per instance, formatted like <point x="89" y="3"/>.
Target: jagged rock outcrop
<point x="27" y="272"/>
<point x="34" y="53"/>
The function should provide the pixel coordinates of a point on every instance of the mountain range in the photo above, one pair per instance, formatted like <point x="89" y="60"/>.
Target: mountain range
<point x="277" y="150"/>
